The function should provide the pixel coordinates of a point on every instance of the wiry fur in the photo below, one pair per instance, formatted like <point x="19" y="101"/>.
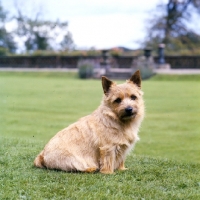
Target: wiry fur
<point x="101" y="140"/>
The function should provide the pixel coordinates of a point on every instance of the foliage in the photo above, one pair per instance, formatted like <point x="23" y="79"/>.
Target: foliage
<point x="42" y="34"/>
<point x="34" y="33"/>
<point x="34" y="106"/>
<point x="3" y="51"/>
<point x="85" y="68"/>
<point x="6" y="39"/>
<point x="67" y="43"/>
<point x="170" y="26"/>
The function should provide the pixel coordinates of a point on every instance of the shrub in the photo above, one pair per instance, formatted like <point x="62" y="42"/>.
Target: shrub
<point x="3" y="51"/>
<point x="85" y="69"/>
<point x="145" y="65"/>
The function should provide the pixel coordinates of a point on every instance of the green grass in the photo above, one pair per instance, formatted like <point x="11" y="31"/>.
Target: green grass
<point x="171" y="128"/>
<point x="184" y="77"/>
<point x="164" y="165"/>
<point x="147" y="178"/>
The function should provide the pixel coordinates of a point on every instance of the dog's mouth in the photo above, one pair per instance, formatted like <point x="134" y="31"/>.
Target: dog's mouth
<point x="127" y="116"/>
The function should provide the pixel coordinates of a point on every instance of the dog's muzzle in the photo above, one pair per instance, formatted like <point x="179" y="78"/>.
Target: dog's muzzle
<point x="129" y="113"/>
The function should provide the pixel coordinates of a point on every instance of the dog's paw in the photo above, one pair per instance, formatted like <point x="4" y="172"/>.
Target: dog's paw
<point x="106" y="172"/>
<point x="122" y="168"/>
<point x="91" y="169"/>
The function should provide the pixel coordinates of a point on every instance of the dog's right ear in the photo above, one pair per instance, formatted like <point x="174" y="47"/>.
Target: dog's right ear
<point x="136" y="78"/>
<point x="106" y="84"/>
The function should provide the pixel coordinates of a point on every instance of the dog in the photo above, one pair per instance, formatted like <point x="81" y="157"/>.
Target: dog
<point x="101" y="140"/>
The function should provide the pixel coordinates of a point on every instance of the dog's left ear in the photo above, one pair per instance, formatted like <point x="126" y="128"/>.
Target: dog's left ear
<point x="136" y="78"/>
<point x="106" y="83"/>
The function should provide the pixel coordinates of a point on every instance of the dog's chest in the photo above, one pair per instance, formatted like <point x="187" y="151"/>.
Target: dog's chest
<point x="130" y="136"/>
<point x="125" y="145"/>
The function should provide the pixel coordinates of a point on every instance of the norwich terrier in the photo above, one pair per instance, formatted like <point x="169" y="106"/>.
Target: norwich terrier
<point x="101" y="140"/>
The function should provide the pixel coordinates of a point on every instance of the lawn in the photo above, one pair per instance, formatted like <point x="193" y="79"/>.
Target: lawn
<point x="164" y="165"/>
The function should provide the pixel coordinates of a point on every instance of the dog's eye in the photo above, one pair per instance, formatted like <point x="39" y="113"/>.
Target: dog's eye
<point x="133" y="97"/>
<point x="118" y="100"/>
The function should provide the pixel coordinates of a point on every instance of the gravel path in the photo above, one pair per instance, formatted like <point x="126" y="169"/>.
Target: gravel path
<point x="10" y="69"/>
<point x="177" y="71"/>
<point x="158" y="71"/>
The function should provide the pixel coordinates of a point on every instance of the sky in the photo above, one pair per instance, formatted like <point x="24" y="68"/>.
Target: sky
<point x="98" y="24"/>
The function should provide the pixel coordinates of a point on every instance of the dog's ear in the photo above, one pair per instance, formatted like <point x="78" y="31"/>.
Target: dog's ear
<point x="106" y="83"/>
<point x="136" y="78"/>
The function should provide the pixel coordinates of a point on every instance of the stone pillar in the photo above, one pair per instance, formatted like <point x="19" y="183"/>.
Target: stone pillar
<point x="105" y="62"/>
<point x="161" y="59"/>
<point x="147" y="52"/>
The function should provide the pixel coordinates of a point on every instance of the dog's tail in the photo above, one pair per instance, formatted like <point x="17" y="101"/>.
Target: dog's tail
<point x="39" y="161"/>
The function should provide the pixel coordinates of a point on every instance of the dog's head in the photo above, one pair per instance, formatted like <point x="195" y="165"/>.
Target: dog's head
<point x="125" y="100"/>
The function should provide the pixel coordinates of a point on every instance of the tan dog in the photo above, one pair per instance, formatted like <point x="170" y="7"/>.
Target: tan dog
<point x="100" y="141"/>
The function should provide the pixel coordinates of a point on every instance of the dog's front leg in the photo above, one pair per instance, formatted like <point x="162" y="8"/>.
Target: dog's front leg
<point x="107" y="158"/>
<point x="121" y="166"/>
<point x="121" y="156"/>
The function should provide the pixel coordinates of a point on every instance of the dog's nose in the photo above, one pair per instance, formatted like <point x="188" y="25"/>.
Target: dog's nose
<point x="129" y="110"/>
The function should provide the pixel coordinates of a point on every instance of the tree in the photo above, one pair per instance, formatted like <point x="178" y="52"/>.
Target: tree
<point x="170" y="25"/>
<point x="6" y="38"/>
<point x="67" y="42"/>
<point x="38" y="34"/>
